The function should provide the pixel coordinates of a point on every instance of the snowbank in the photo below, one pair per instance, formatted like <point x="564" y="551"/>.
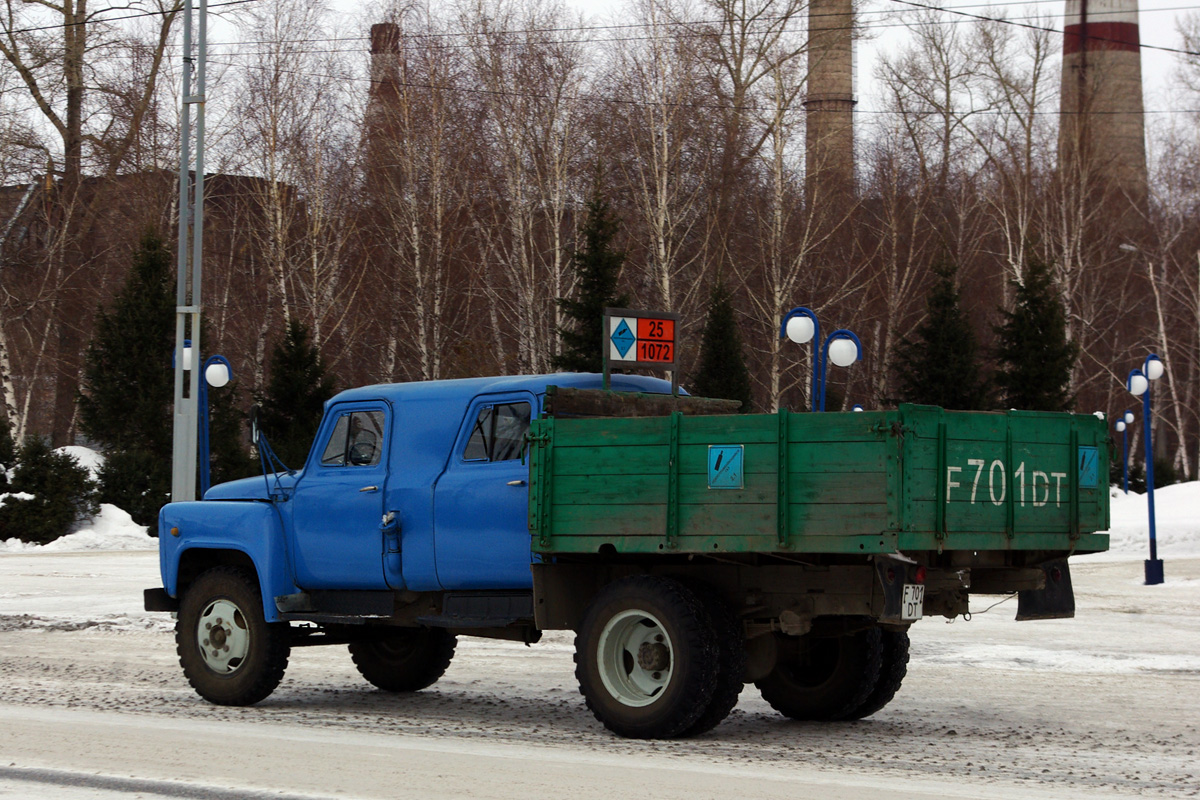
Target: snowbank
<point x="111" y="529"/>
<point x="86" y="457"/>
<point x="1176" y="522"/>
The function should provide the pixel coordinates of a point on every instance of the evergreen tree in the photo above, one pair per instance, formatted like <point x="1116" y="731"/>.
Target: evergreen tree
<point x="127" y="380"/>
<point x="597" y="268"/>
<point x="940" y="364"/>
<point x="1035" y="356"/>
<point x="62" y="490"/>
<point x="295" y="399"/>
<point x="229" y="452"/>
<point x="7" y="453"/>
<point x="722" y="371"/>
<point x="128" y="386"/>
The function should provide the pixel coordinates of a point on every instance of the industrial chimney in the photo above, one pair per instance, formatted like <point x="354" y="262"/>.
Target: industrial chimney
<point x="1102" y="136"/>
<point x="829" y="105"/>
<point x="383" y="102"/>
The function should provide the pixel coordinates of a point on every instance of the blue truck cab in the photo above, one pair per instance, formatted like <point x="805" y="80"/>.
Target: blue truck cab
<point x="409" y="487"/>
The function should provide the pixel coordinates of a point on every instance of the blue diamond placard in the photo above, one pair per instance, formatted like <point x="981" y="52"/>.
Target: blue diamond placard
<point x="623" y="338"/>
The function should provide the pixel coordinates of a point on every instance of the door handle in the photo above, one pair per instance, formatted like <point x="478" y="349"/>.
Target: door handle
<point x="516" y="483"/>
<point x="369" y="489"/>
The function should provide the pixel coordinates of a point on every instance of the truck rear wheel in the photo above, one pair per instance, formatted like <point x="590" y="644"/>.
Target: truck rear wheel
<point x="646" y="658"/>
<point x="828" y="679"/>
<point x="404" y="659"/>
<point x="894" y="666"/>
<point x="230" y="654"/>
<point x="731" y="661"/>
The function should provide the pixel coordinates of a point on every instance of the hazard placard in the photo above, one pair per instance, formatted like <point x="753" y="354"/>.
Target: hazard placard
<point x="640" y="338"/>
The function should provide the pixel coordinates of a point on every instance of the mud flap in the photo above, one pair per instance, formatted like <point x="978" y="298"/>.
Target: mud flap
<point x="890" y="573"/>
<point x="1056" y="600"/>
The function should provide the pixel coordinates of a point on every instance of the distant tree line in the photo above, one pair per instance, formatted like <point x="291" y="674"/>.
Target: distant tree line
<point x="423" y="215"/>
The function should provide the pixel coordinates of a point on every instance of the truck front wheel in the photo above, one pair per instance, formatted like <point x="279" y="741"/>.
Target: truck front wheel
<point x="404" y="659"/>
<point x="825" y="678"/>
<point x="646" y="658"/>
<point x="230" y="654"/>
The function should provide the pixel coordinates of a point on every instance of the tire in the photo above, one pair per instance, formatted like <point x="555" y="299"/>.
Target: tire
<point x="230" y="654"/>
<point x="646" y="658"/>
<point x="891" y="674"/>
<point x="829" y="679"/>
<point x="404" y="659"/>
<point x="731" y="661"/>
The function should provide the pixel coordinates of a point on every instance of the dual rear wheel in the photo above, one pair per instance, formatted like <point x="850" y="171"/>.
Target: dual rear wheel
<point x="658" y="658"/>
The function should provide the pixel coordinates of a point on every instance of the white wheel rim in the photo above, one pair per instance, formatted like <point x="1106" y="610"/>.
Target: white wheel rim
<point x="223" y="636"/>
<point x="635" y="658"/>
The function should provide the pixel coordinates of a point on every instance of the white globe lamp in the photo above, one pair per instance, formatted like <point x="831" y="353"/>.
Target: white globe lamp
<point x="800" y="329"/>
<point x="843" y="352"/>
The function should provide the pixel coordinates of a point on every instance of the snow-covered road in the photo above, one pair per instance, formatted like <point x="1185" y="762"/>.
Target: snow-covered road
<point x="93" y="705"/>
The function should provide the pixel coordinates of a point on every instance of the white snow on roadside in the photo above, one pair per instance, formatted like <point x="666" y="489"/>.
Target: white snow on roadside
<point x="111" y="529"/>
<point x="1176" y="522"/>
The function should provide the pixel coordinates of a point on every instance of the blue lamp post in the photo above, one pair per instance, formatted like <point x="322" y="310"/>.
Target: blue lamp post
<point x="1138" y="384"/>
<point x="1122" y="427"/>
<point x="217" y="373"/>
<point x="842" y="347"/>
<point x="801" y="326"/>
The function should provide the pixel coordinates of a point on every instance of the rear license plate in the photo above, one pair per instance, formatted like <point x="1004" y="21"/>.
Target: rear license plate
<point x="914" y="601"/>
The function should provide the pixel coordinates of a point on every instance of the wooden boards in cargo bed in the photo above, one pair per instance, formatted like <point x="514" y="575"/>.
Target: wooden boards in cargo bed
<point x="913" y="479"/>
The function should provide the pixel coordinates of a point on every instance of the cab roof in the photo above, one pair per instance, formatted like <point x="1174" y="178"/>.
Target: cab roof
<point x="466" y="388"/>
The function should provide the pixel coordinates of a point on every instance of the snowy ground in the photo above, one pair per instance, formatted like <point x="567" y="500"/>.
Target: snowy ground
<point x="93" y="704"/>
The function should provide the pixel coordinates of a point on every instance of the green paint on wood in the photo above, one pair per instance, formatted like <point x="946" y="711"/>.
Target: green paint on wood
<point x="823" y="483"/>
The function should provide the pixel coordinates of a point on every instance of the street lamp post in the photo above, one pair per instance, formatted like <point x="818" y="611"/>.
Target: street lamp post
<point x="1122" y="426"/>
<point x="1138" y="384"/>
<point x="843" y="347"/>
<point x="217" y="373"/>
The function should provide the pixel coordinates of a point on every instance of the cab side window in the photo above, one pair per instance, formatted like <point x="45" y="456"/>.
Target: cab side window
<point x="498" y="433"/>
<point x="357" y="440"/>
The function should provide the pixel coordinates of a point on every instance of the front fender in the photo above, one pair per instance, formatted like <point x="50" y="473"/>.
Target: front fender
<point x="253" y="528"/>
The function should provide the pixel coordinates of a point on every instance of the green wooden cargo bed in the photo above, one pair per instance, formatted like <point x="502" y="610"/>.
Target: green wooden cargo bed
<point x="915" y="479"/>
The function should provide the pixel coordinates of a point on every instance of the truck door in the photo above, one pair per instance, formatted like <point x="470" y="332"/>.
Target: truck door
<point x="338" y="502"/>
<point x="481" y="530"/>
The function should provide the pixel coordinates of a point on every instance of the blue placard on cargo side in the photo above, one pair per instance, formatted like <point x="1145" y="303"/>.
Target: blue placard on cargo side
<point x="1089" y="467"/>
<point x="726" y="466"/>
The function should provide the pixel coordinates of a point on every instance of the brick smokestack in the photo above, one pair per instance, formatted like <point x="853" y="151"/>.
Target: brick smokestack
<point x="383" y="103"/>
<point x="829" y="105"/>
<point x="1102" y="130"/>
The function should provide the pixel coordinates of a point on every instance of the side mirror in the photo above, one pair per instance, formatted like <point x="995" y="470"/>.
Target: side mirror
<point x="254" y="430"/>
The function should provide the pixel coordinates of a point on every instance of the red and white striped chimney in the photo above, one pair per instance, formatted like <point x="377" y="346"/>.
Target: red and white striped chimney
<point x="1102" y="133"/>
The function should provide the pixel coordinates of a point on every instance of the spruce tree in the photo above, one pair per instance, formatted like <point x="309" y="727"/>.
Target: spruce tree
<point x="597" y="268"/>
<point x="722" y="371"/>
<point x="7" y="453"/>
<point x="128" y="386"/>
<point x="127" y="379"/>
<point x="939" y="365"/>
<point x="1035" y="356"/>
<point x="295" y="398"/>
<point x="62" y="494"/>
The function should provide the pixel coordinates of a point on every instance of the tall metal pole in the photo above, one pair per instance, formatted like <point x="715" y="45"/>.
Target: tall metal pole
<point x="188" y="286"/>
